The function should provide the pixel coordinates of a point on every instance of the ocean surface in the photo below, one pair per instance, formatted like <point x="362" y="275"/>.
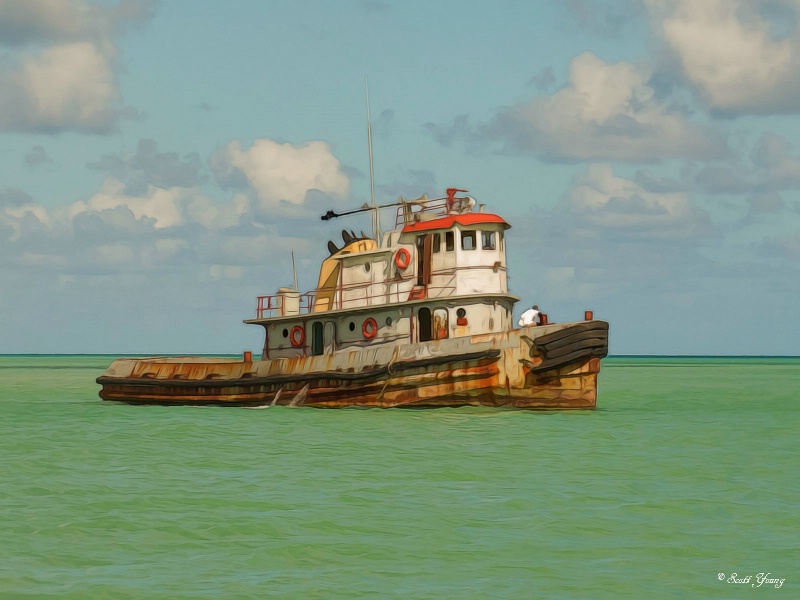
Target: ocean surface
<point x="683" y="481"/>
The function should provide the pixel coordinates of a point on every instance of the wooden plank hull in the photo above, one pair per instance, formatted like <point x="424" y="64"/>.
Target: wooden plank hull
<point x="550" y="367"/>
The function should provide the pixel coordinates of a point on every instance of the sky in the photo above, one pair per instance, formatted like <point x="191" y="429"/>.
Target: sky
<point x="160" y="161"/>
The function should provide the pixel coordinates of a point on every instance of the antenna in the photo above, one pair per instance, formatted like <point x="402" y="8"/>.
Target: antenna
<point x="294" y="271"/>
<point x="376" y="216"/>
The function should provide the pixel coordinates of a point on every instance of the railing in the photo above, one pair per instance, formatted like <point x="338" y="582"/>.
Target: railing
<point x="392" y="297"/>
<point x="413" y="211"/>
<point x="272" y="306"/>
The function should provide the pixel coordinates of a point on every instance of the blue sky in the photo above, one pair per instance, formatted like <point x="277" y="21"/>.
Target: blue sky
<point x="160" y="160"/>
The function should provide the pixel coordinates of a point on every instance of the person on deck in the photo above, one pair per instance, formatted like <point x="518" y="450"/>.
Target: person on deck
<point x="530" y="317"/>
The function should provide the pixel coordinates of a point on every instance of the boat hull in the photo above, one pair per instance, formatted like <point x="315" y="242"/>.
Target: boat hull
<point x="548" y="367"/>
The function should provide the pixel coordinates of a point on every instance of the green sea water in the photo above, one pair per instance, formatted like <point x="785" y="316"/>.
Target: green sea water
<point x="684" y="475"/>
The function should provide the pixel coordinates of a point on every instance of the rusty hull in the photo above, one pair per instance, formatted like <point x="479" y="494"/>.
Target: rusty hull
<point x="545" y="367"/>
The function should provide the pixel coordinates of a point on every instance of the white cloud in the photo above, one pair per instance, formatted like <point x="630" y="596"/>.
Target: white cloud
<point x="281" y="173"/>
<point x="165" y="207"/>
<point x="53" y="21"/>
<point x="161" y="205"/>
<point x="61" y="75"/>
<point x="26" y="21"/>
<point x="113" y="255"/>
<point x="731" y="53"/>
<point x="141" y="242"/>
<point x="774" y="167"/>
<point x="604" y="112"/>
<point x="67" y="86"/>
<point x="149" y="166"/>
<point x="602" y="200"/>
<point x="215" y="216"/>
<point x="146" y="227"/>
<point x="15" y="216"/>
<point x="19" y="212"/>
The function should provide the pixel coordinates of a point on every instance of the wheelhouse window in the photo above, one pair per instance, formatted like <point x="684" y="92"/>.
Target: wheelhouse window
<point x="437" y="242"/>
<point x="468" y="240"/>
<point x="487" y="240"/>
<point x="449" y="241"/>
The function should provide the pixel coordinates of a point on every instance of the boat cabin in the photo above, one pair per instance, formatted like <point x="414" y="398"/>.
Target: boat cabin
<point x="440" y="273"/>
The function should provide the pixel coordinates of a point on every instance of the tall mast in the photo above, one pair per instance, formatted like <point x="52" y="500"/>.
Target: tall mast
<point x="376" y="215"/>
<point x="294" y="272"/>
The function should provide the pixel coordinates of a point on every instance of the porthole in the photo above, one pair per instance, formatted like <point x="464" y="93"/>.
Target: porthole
<point x="367" y="267"/>
<point x="388" y="321"/>
<point x="461" y="313"/>
<point x="285" y="333"/>
<point x="352" y="326"/>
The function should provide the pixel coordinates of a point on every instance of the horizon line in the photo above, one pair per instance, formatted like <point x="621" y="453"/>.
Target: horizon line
<point x="230" y="354"/>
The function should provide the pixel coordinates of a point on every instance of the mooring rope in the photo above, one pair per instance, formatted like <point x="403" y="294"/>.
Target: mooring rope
<point x="389" y="371"/>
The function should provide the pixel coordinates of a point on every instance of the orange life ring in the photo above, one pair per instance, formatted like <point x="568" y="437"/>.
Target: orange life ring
<point x="370" y="328"/>
<point x="297" y="336"/>
<point x="402" y="259"/>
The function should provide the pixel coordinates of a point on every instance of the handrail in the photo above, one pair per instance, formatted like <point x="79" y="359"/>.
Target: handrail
<point x="269" y="305"/>
<point x="401" y="295"/>
<point x="412" y="211"/>
<point x="273" y="304"/>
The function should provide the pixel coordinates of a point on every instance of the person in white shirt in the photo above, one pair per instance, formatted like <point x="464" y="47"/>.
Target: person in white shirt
<point x="529" y="317"/>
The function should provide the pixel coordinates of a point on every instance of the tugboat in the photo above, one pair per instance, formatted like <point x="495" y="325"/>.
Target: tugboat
<point x="418" y="317"/>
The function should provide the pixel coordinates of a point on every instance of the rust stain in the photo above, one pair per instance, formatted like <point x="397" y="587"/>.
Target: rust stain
<point x="505" y="371"/>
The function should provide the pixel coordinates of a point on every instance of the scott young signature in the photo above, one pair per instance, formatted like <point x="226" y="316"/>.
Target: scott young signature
<point x="754" y="581"/>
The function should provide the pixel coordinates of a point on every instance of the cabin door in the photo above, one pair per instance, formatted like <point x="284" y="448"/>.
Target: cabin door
<point x="424" y="258"/>
<point x="316" y="339"/>
<point x="329" y="337"/>
<point x="425" y="325"/>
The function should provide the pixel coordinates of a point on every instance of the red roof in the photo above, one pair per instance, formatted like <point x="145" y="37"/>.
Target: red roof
<point x="448" y="221"/>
